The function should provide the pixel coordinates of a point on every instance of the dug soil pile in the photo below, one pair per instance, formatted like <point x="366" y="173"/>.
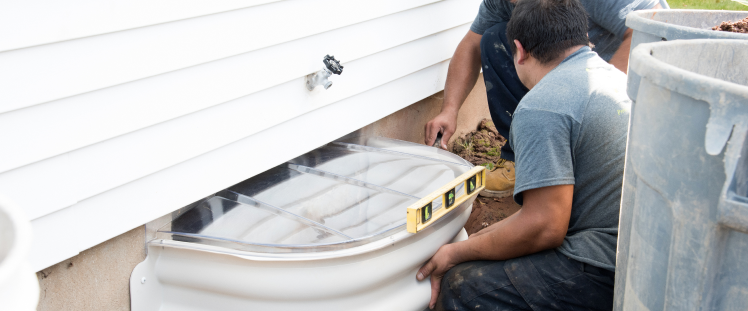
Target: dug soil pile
<point x="483" y="147"/>
<point x="740" y="26"/>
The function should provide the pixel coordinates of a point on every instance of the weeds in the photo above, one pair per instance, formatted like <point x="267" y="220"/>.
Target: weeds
<point x="468" y="145"/>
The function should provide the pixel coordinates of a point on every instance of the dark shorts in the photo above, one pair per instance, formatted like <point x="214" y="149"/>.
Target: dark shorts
<point x="543" y="281"/>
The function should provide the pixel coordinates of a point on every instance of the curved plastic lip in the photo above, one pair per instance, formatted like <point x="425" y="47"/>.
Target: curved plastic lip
<point x="637" y="18"/>
<point x="296" y="248"/>
<point x="382" y="241"/>
<point x="439" y="151"/>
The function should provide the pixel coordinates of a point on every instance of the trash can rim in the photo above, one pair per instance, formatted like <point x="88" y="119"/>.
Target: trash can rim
<point x="726" y="99"/>
<point x="636" y="20"/>
<point x="651" y="68"/>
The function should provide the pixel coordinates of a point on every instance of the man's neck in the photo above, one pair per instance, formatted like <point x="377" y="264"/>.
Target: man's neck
<point x="543" y="69"/>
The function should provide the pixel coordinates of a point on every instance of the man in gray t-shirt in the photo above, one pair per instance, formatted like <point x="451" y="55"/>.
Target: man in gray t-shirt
<point x="570" y="129"/>
<point x="486" y="46"/>
<point x="569" y="135"/>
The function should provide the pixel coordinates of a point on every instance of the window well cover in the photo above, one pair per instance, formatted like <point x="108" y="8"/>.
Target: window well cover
<point x="338" y="196"/>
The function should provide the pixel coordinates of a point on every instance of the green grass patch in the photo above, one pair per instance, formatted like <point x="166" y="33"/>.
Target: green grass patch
<point x="707" y="5"/>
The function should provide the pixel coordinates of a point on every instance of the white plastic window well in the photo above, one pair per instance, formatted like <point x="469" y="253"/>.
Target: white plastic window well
<point x="341" y="195"/>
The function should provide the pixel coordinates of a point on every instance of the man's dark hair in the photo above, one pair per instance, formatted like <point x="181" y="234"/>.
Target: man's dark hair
<point x="547" y="28"/>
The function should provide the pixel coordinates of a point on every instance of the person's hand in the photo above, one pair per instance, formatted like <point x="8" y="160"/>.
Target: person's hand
<point x="446" y="123"/>
<point x="437" y="266"/>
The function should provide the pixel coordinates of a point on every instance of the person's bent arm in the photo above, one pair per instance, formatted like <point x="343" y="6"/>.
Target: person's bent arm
<point x="461" y="77"/>
<point x="539" y="225"/>
<point x="621" y="57"/>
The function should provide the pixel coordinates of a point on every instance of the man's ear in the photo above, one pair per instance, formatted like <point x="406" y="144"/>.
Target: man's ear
<point x="521" y="54"/>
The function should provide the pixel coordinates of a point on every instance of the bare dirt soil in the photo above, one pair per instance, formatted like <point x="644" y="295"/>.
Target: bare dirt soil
<point x="740" y="26"/>
<point x="488" y="211"/>
<point x="483" y="147"/>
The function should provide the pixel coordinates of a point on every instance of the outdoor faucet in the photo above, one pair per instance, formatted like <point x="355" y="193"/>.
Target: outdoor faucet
<point x="332" y="66"/>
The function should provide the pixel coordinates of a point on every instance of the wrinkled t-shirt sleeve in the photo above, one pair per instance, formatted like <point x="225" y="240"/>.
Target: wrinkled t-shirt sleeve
<point x="611" y="14"/>
<point x="491" y="12"/>
<point x="542" y="147"/>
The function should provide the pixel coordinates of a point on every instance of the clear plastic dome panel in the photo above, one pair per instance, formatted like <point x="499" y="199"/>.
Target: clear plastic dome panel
<point x="220" y="218"/>
<point x="339" y="195"/>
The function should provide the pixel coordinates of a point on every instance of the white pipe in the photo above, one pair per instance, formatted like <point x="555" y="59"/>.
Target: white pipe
<point x="19" y="288"/>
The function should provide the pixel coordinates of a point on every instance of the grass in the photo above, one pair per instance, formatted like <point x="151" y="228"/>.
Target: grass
<point x="707" y="5"/>
<point x="468" y="145"/>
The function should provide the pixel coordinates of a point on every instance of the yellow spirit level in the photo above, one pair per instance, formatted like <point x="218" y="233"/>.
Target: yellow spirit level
<point x="421" y="214"/>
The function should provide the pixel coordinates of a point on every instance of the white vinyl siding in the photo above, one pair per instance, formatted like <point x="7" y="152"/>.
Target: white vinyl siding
<point x="105" y="132"/>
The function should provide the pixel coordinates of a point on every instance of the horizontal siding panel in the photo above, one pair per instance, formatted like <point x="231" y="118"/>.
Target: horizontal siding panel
<point x="65" y="125"/>
<point x="83" y="173"/>
<point x="61" y="235"/>
<point x="29" y="23"/>
<point x="44" y="73"/>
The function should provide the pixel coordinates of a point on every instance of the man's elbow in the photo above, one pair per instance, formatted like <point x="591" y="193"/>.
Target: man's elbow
<point x="551" y="238"/>
<point x="546" y="214"/>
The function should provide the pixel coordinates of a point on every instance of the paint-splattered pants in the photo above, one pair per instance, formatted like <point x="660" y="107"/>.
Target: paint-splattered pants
<point x="503" y="87"/>
<point x="543" y="281"/>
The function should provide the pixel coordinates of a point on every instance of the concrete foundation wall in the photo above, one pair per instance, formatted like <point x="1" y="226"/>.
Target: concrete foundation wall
<point x="98" y="278"/>
<point x="409" y="123"/>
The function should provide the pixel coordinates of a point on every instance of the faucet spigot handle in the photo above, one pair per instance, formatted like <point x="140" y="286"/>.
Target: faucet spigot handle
<point x="332" y="64"/>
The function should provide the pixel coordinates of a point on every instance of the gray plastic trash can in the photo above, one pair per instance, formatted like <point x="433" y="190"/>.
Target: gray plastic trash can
<point x="669" y="25"/>
<point x="684" y="191"/>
